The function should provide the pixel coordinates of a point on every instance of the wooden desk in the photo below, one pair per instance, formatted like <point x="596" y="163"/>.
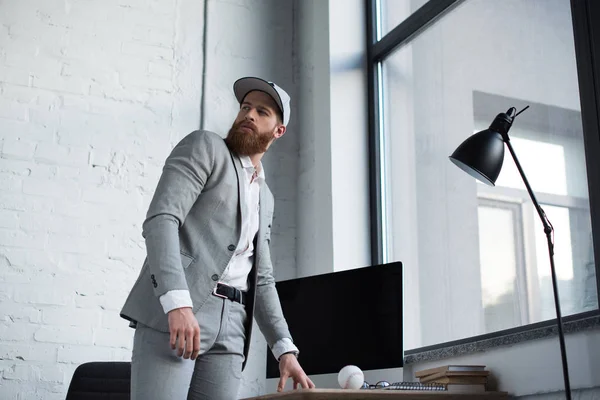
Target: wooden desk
<point x="330" y="394"/>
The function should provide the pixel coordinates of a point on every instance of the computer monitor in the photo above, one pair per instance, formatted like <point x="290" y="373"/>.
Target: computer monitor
<point x="351" y="317"/>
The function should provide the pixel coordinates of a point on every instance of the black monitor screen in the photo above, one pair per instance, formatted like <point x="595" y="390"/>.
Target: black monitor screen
<point x="351" y="317"/>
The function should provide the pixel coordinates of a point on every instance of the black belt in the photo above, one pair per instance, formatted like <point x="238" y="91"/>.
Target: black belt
<point x="231" y="293"/>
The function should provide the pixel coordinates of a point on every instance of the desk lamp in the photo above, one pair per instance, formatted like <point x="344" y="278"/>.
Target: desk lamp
<point x="481" y="156"/>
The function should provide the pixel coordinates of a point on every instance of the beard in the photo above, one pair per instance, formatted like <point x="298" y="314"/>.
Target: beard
<point x="247" y="143"/>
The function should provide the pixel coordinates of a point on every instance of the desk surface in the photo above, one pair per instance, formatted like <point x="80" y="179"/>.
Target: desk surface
<point x="328" y="394"/>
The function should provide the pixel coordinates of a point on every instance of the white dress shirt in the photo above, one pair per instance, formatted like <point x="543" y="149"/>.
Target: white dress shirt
<point x="236" y="272"/>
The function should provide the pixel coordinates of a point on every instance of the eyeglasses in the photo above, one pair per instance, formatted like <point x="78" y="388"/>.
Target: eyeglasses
<point x="378" y="385"/>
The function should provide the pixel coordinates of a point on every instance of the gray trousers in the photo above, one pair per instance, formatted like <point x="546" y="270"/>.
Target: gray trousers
<point x="158" y="374"/>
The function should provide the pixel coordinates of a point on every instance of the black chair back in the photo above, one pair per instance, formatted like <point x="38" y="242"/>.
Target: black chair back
<point x="101" y="380"/>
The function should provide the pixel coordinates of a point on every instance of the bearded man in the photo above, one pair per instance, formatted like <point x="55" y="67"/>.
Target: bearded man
<point x="208" y="268"/>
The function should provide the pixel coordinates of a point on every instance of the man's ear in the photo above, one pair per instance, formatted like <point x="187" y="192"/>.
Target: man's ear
<point x="279" y="131"/>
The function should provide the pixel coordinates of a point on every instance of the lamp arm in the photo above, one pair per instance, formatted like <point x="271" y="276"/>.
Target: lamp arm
<point x="547" y="225"/>
<point x="548" y="230"/>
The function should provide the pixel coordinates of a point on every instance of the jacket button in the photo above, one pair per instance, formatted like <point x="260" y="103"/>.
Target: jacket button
<point x="215" y="277"/>
<point x="231" y="247"/>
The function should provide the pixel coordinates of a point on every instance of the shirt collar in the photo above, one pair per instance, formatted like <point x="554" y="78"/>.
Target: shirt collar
<point x="249" y="168"/>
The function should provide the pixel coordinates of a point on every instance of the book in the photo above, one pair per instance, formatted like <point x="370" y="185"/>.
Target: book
<point x="433" y="377"/>
<point x="469" y="380"/>
<point x="450" y="368"/>
<point x="461" y="388"/>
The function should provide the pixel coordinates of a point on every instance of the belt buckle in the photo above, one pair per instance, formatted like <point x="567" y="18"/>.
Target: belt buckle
<point x="218" y="294"/>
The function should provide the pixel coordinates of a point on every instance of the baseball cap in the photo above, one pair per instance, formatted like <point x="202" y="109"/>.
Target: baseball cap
<point x="243" y="86"/>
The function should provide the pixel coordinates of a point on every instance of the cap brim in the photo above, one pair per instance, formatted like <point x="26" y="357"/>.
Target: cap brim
<point x="243" y="86"/>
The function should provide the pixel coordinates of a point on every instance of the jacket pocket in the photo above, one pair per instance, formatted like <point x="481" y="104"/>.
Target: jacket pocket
<point x="190" y="270"/>
<point x="186" y="260"/>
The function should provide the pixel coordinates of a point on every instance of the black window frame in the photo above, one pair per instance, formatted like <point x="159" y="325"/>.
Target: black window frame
<point x="587" y="50"/>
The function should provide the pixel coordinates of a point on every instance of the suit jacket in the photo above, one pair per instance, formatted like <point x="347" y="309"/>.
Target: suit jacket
<point x="192" y="229"/>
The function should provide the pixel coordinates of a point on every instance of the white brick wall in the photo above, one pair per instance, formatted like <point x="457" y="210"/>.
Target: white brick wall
<point x="93" y="94"/>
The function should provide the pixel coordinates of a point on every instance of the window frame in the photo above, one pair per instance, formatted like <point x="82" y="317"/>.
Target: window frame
<point x="587" y="51"/>
<point x="516" y="209"/>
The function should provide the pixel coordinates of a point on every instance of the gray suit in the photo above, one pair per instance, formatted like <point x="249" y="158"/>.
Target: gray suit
<point x="192" y="229"/>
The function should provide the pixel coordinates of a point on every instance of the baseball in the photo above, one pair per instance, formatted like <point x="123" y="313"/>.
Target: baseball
<point x="351" y="377"/>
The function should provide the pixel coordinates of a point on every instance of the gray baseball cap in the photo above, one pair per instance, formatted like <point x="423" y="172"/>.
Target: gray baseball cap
<point x="243" y="86"/>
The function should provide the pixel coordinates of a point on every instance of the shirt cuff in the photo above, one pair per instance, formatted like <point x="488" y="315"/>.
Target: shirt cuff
<point x="175" y="299"/>
<point x="282" y="346"/>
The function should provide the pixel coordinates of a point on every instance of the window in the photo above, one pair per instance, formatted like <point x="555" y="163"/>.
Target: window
<point x="503" y="288"/>
<point x="554" y="161"/>
<point x="475" y="257"/>
<point x="393" y="12"/>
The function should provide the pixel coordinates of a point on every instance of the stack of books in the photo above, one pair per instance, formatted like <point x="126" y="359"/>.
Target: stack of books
<point x="457" y="378"/>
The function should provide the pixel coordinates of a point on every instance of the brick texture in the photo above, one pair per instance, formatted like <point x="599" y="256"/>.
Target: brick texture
<point x="93" y="96"/>
<point x="90" y="100"/>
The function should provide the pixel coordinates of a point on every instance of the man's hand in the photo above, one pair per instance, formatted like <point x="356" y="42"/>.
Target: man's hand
<point x="290" y="368"/>
<point x="185" y="332"/>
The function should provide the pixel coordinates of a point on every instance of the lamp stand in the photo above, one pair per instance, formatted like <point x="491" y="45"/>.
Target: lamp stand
<point x="548" y="230"/>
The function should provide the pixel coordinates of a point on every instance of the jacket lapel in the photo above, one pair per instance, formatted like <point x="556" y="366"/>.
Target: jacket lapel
<point x="261" y="221"/>
<point x="241" y="175"/>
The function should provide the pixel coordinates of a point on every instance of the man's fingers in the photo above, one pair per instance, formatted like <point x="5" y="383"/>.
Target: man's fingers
<point x="173" y="339"/>
<point x="186" y="341"/>
<point x="282" y="382"/>
<point x="303" y="381"/>
<point x="180" y="343"/>
<point x="196" y="349"/>
<point x="189" y="343"/>
<point x="183" y="328"/>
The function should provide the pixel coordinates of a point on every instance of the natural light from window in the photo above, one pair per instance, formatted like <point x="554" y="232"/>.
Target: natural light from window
<point x="563" y="249"/>
<point x="543" y="164"/>
<point x="498" y="263"/>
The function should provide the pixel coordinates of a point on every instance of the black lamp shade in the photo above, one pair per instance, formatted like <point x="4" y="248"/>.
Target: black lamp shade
<point x="481" y="156"/>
